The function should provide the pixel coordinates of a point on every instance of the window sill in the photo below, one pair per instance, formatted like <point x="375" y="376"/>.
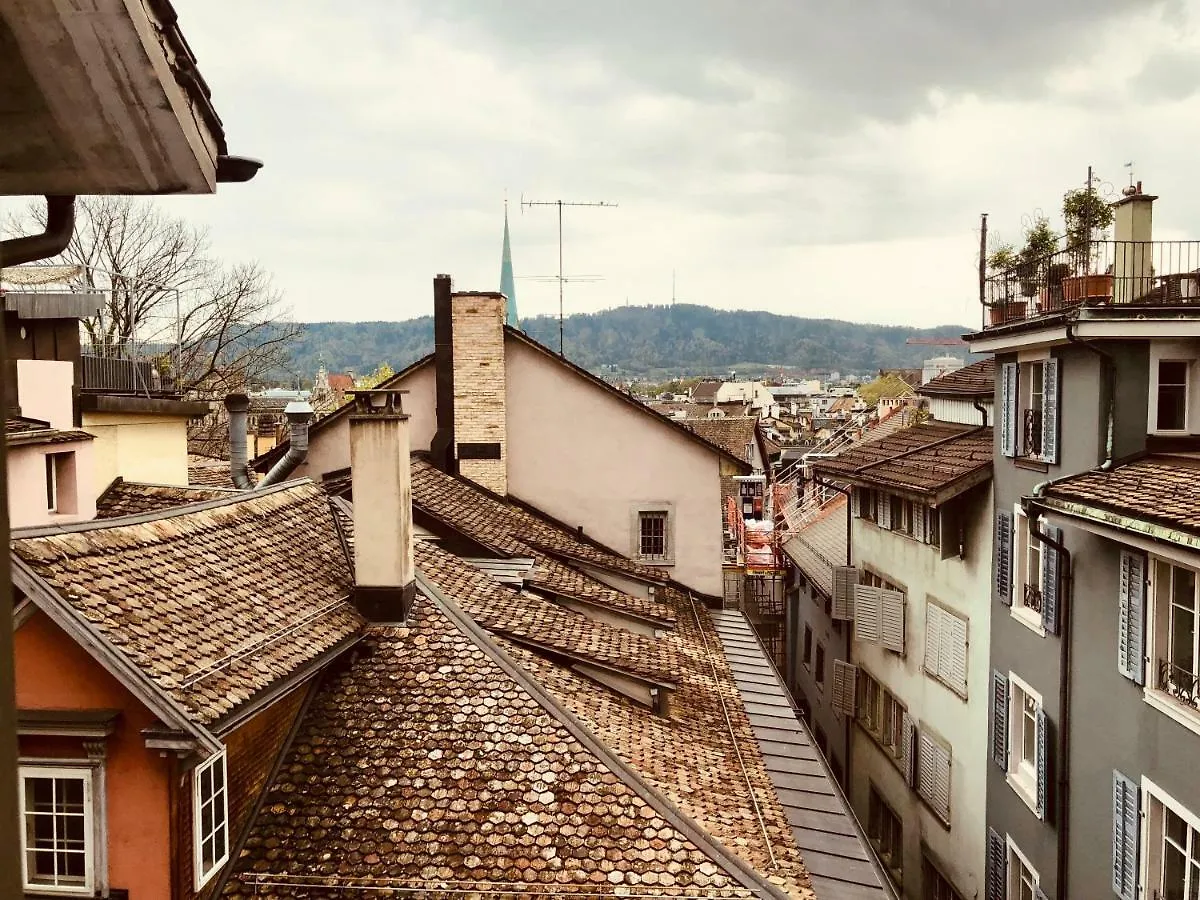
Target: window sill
<point x="654" y="562"/>
<point x="1173" y="709"/>
<point x="1027" y="792"/>
<point x="1028" y="618"/>
<point x="1034" y="465"/>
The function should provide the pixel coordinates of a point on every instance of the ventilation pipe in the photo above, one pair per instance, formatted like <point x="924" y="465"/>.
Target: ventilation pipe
<point x="299" y="414"/>
<point x="238" y="405"/>
<point x="60" y="225"/>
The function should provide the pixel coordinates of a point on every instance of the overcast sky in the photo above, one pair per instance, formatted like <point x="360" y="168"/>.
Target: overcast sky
<point x="810" y="158"/>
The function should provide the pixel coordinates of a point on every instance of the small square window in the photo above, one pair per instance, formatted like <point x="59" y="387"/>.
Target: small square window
<point x="1172" y="395"/>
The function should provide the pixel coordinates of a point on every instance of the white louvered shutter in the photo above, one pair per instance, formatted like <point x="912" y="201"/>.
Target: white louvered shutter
<point x="1050" y="405"/>
<point x="1004" y="556"/>
<point x="1042" y="729"/>
<point x="1050" y="580"/>
<point x="997" y="866"/>
<point x="1131" y="636"/>
<point x="999" y="717"/>
<point x="866" y="613"/>
<point x="845" y="579"/>
<point x="891" y="620"/>
<point x="953" y="653"/>
<point x="919" y="525"/>
<point x="844" y="691"/>
<point x="933" y="780"/>
<point x="1008" y="409"/>
<point x="856" y="501"/>
<point x="933" y="638"/>
<point x="1126" y="818"/>
<point x="908" y="733"/>
<point x="884" y="512"/>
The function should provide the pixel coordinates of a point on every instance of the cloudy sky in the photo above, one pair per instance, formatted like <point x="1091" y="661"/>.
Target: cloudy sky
<point x="810" y="158"/>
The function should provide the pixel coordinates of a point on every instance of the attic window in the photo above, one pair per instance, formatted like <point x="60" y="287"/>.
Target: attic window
<point x="653" y="531"/>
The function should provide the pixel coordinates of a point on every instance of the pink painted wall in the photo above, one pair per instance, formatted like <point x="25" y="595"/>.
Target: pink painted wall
<point x="44" y="390"/>
<point x="586" y="458"/>
<point x="53" y="672"/>
<point x="329" y="448"/>
<point x="27" y="485"/>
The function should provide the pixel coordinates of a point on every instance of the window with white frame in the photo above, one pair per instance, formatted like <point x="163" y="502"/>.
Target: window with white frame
<point x="1023" y="879"/>
<point x="1172" y="846"/>
<point x="1171" y="395"/>
<point x="210" y="817"/>
<point x="1028" y="416"/>
<point x="1176" y="631"/>
<point x="1034" y="597"/>
<point x="58" y="841"/>
<point x="1025" y="754"/>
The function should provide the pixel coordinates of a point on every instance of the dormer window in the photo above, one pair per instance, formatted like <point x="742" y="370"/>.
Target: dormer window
<point x="1171" y="414"/>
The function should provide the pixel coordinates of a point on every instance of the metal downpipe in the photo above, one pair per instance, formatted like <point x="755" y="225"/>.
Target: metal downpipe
<point x="238" y="405"/>
<point x="299" y="415"/>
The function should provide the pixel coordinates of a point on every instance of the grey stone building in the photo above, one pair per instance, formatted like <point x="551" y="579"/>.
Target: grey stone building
<point x="1094" y="728"/>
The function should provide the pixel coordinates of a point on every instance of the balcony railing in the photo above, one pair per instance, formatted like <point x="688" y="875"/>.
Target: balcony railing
<point x="1180" y="683"/>
<point x="1031" y="433"/>
<point x="1033" y="598"/>
<point x="1098" y="273"/>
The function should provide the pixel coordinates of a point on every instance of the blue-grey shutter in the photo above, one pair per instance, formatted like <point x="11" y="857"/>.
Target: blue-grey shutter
<point x="1008" y="409"/>
<point x="1050" y="394"/>
<point x="1004" y="541"/>
<point x="997" y="866"/>
<point x="1043" y="760"/>
<point x="1131" y="626"/>
<point x="1126" y="818"/>
<point x="1050" y="580"/>
<point x="1000" y="719"/>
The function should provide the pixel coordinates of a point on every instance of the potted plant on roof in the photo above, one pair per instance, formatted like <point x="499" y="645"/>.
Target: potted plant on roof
<point x="1002" y="306"/>
<point x="1035" y="260"/>
<point x="1088" y="217"/>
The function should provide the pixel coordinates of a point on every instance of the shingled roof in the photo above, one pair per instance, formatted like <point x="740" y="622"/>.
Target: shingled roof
<point x="19" y="431"/>
<point x="932" y="461"/>
<point x="730" y="433"/>
<point x="127" y="498"/>
<point x="976" y="380"/>
<point x="213" y="604"/>
<point x="1156" y="489"/>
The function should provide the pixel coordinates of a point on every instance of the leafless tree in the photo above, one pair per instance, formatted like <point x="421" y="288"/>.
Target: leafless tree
<point x="164" y="292"/>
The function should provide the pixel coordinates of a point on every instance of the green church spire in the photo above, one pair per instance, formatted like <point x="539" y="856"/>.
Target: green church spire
<point x="507" y="288"/>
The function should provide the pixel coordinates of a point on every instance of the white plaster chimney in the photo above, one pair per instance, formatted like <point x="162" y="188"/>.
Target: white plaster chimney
<point x="383" y="527"/>
<point x="1133" y="252"/>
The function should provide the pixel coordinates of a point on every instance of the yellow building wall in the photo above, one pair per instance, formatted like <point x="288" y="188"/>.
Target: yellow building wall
<point x="149" y="448"/>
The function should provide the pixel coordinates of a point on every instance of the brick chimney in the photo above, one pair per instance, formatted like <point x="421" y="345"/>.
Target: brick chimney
<point x="471" y="438"/>
<point x="383" y="526"/>
<point x="1133" y="254"/>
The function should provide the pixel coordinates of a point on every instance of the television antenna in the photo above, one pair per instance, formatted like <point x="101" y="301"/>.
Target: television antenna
<point x="559" y="278"/>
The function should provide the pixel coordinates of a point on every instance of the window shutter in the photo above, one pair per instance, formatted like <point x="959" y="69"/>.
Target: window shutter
<point x="856" y="501"/>
<point x="1043" y="761"/>
<point x="1050" y="580"/>
<point x="954" y="652"/>
<point x="926" y="765"/>
<point x="919" y="528"/>
<point x="934" y="778"/>
<point x="866" y="613"/>
<point x="1000" y="719"/>
<point x="1004" y="541"/>
<point x="1050" y="411"/>
<point x="1008" y="409"/>
<point x="891" y="620"/>
<point x="845" y="688"/>
<point x="845" y="578"/>
<point x="884" y="513"/>
<point x="997" y="866"/>
<point x="1126" y="809"/>
<point x="934" y="619"/>
<point x="907" y="749"/>
<point x="1131" y="627"/>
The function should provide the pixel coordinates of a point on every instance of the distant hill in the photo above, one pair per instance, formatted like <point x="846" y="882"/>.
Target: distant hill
<point x="653" y="342"/>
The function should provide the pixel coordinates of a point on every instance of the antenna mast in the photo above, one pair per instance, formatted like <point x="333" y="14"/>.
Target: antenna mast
<point x="560" y="204"/>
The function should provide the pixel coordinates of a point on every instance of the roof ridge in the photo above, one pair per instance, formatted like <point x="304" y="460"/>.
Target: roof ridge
<point x="734" y="865"/>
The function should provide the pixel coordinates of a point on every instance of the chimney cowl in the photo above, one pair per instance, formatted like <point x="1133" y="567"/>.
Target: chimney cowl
<point x="378" y="402"/>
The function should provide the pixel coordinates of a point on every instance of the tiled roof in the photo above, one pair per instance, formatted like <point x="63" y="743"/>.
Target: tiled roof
<point x="730" y="433"/>
<point x="127" y="498"/>
<point x="213" y="605"/>
<point x="523" y="777"/>
<point x="1157" y="489"/>
<point x="976" y="380"/>
<point x="19" y="430"/>
<point x="706" y="391"/>
<point x="211" y="471"/>
<point x="928" y="459"/>
<point x="821" y="544"/>
<point x="18" y="424"/>
<point x="511" y="530"/>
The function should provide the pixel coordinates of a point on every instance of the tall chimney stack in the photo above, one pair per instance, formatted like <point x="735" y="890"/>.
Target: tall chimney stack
<point x="1133" y="252"/>
<point x="383" y="527"/>
<point x="472" y="416"/>
<point x="238" y="407"/>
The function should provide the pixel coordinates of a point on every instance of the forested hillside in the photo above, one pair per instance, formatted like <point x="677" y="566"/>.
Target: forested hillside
<point x="648" y="342"/>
